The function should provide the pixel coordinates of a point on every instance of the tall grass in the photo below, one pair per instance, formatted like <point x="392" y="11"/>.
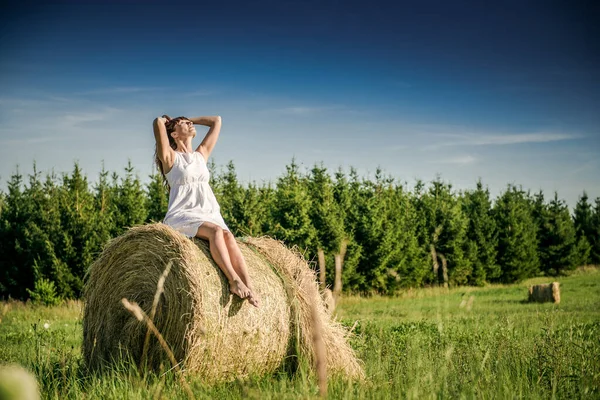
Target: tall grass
<point x="426" y="343"/>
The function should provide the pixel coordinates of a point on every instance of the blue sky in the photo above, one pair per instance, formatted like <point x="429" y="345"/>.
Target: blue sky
<point x="508" y="93"/>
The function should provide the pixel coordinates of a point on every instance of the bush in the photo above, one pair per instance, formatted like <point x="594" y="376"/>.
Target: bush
<point x="44" y="292"/>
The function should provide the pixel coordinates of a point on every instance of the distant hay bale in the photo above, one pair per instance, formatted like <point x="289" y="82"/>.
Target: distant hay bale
<point x="548" y="292"/>
<point x="212" y="333"/>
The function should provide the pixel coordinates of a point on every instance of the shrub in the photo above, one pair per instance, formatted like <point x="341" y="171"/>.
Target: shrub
<point x="44" y="292"/>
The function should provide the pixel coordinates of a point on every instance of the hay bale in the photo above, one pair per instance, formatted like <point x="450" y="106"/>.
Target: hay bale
<point x="212" y="333"/>
<point x="301" y="283"/>
<point x="17" y="383"/>
<point x="548" y="292"/>
<point x="328" y="300"/>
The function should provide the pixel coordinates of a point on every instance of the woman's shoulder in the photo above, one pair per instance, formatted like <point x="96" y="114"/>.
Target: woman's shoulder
<point x="199" y="155"/>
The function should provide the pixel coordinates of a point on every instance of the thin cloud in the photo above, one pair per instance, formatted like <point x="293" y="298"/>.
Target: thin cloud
<point x="298" y="110"/>
<point x="61" y="99"/>
<point x="35" y="140"/>
<point x="325" y="151"/>
<point x="22" y="102"/>
<point x="519" y="138"/>
<point x="590" y="165"/>
<point x="36" y="102"/>
<point x="396" y="147"/>
<point x="500" y="140"/>
<point x="117" y="90"/>
<point x="75" y="118"/>
<point x="199" y="93"/>
<point x="303" y="110"/>
<point x="460" y="160"/>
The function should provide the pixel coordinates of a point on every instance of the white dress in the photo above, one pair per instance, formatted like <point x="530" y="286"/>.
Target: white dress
<point x="191" y="200"/>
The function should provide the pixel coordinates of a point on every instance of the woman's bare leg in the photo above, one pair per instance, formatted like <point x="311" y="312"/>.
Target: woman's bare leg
<point x="238" y="262"/>
<point x="218" y="249"/>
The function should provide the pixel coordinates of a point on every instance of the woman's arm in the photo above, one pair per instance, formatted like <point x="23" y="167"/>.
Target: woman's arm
<point x="209" y="141"/>
<point x="163" y="149"/>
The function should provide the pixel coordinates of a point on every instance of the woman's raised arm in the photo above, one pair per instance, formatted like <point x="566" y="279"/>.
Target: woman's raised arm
<point x="163" y="149"/>
<point x="209" y="141"/>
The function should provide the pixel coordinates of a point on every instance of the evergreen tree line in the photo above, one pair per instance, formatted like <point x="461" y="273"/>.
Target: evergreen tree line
<point x="380" y="234"/>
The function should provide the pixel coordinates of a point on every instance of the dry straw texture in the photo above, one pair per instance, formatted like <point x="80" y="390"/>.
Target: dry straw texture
<point x="17" y="383"/>
<point x="303" y="292"/>
<point x="212" y="333"/>
<point x="549" y="292"/>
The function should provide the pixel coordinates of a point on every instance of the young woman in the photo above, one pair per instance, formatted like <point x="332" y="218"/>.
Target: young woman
<point x="193" y="208"/>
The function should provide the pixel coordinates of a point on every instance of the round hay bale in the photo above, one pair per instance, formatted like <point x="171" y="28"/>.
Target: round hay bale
<point x="328" y="300"/>
<point x="17" y="383"/>
<point x="546" y="292"/>
<point x="212" y="333"/>
<point x="306" y="302"/>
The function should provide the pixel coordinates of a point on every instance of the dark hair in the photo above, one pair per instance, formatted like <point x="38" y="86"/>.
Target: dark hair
<point x="170" y="124"/>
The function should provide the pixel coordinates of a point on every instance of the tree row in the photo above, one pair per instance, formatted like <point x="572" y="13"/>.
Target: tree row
<point x="367" y="235"/>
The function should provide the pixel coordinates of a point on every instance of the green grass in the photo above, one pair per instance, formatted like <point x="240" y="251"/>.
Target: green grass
<point x="426" y="343"/>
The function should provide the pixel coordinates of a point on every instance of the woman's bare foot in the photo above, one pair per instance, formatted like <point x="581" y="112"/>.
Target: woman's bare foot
<point x="238" y="288"/>
<point x="252" y="299"/>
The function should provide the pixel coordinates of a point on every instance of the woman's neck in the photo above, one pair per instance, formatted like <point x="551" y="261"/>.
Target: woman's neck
<point x="184" y="146"/>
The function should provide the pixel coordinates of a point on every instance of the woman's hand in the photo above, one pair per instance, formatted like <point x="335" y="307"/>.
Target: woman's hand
<point x="209" y="141"/>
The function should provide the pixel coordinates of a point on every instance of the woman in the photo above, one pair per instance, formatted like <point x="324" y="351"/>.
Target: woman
<point x="193" y="208"/>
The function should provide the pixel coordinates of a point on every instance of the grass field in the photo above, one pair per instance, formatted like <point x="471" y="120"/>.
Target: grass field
<point x="427" y="343"/>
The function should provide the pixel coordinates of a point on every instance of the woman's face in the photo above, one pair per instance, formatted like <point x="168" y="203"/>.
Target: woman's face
<point x="184" y="128"/>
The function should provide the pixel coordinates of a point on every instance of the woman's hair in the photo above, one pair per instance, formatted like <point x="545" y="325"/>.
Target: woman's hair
<point x="170" y="124"/>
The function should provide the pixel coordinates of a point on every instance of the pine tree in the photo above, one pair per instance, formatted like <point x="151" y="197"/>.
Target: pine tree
<point x="59" y="274"/>
<point x="16" y="273"/>
<point x="245" y="210"/>
<point x="345" y="197"/>
<point x="417" y="199"/>
<point x="559" y="239"/>
<point x="255" y="210"/>
<point x="2" y="202"/>
<point x="595" y="234"/>
<point x="231" y="200"/>
<point x="325" y="217"/>
<point x="441" y="228"/>
<point x="30" y="225"/>
<point x="482" y="233"/>
<point x="583" y="216"/>
<point x="406" y="266"/>
<point x="130" y="201"/>
<point x="158" y="198"/>
<point x="382" y="219"/>
<point x="266" y="203"/>
<point x="78" y="248"/>
<point x="35" y="228"/>
<point x="105" y="209"/>
<point x="582" y="220"/>
<point x="291" y="210"/>
<point x="446" y="216"/>
<point x="541" y="219"/>
<point x="324" y="213"/>
<point x="517" y="236"/>
<point x="349" y="197"/>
